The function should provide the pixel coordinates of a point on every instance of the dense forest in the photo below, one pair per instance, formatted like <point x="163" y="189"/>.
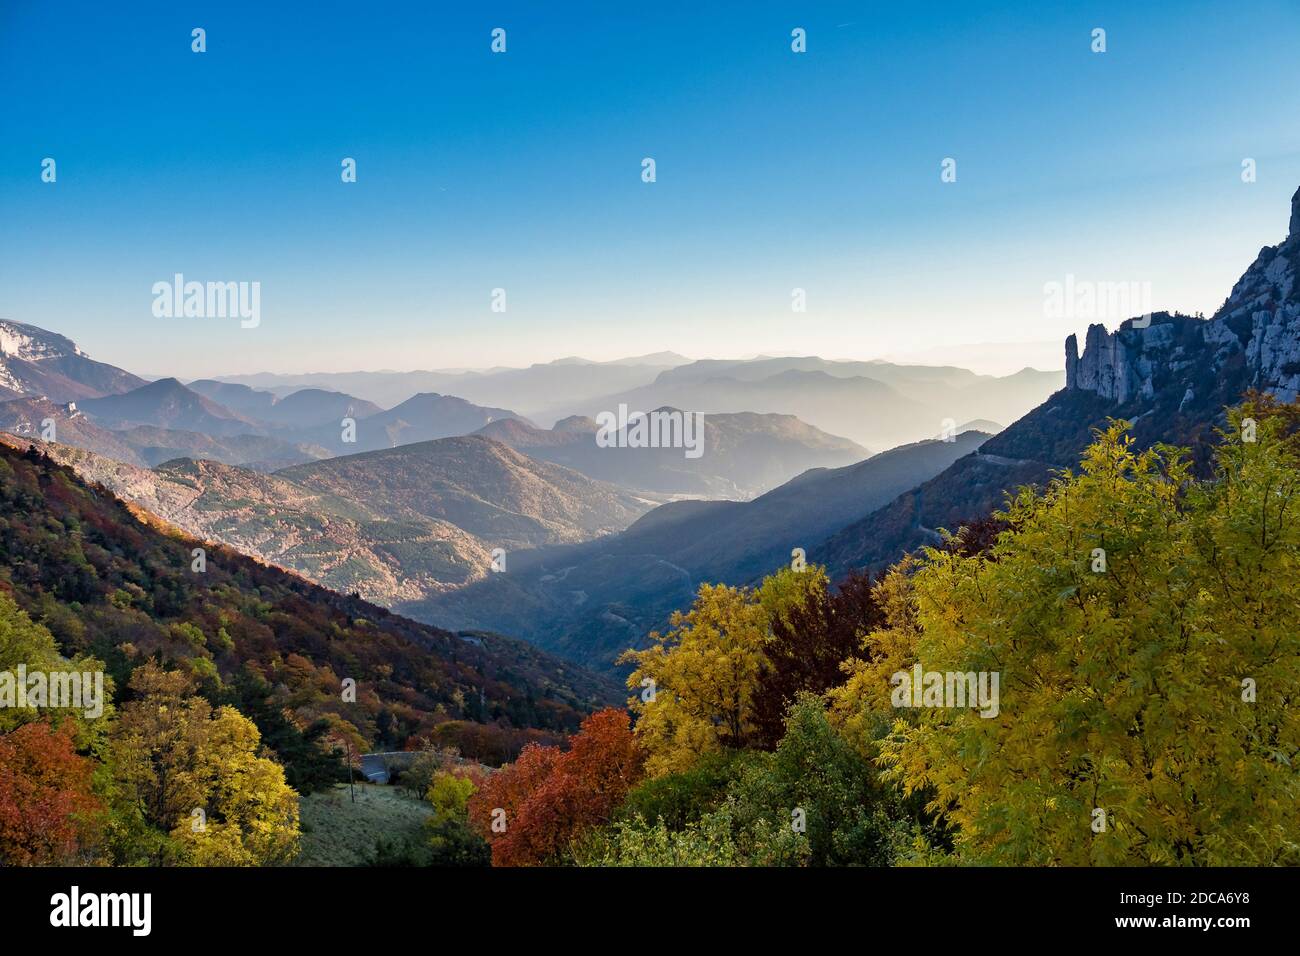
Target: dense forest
<point x="1134" y="621"/>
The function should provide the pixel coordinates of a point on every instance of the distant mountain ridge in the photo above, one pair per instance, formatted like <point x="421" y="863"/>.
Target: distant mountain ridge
<point x="421" y="418"/>
<point x="758" y="410"/>
<point x="526" y="389"/>
<point x="302" y="409"/>
<point x="875" y="404"/>
<point x="480" y="485"/>
<point x="342" y="424"/>
<point x="743" y="454"/>
<point x="166" y="403"/>
<point x="148" y="445"/>
<point x="907" y="403"/>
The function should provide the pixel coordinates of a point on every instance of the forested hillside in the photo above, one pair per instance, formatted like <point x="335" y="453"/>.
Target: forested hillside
<point x="105" y="583"/>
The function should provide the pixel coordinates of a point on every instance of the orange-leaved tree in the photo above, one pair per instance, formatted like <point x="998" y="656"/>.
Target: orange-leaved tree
<point x="531" y="811"/>
<point x="48" y="814"/>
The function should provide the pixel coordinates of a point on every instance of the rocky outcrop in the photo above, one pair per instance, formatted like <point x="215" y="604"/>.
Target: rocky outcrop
<point x="1265" y="303"/>
<point x="1106" y="366"/>
<point x="1254" y="336"/>
<point x="1170" y="379"/>
<point x="36" y="363"/>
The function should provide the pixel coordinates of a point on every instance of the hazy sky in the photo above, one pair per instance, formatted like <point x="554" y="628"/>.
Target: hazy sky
<point x="522" y="171"/>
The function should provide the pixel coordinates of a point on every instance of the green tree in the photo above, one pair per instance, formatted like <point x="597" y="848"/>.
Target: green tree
<point x="816" y="785"/>
<point x="449" y="794"/>
<point x="682" y="798"/>
<point x="1143" y="625"/>
<point x="25" y="642"/>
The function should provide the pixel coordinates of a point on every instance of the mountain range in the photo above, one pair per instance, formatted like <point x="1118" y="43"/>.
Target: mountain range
<point x="875" y="404"/>
<point x="602" y="545"/>
<point x="306" y="408"/>
<point x="148" y="445"/>
<point x="149" y="423"/>
<point x="907" y="402"/>
<point x="591" y="601"/>
<point x="568" y="382"/>
<point x="745" y="453"/>
<point x="168" y="404"/>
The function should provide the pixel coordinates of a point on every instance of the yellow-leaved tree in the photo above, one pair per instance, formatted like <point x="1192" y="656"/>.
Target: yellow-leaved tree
<point x="196" y="778"/>
<point x="693" y="687"/>
<point x="1144" y="628"/>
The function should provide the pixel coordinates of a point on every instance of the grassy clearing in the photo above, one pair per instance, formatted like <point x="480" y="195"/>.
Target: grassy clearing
<point x="338" y="832"/>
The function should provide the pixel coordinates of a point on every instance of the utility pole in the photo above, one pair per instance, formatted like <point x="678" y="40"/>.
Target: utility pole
<point x="351" y="786"/>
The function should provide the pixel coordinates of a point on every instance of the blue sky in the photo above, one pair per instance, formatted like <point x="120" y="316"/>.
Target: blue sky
<point x="521" y="171"/>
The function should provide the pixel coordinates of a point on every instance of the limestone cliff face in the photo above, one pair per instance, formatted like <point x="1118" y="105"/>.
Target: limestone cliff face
<point x="1255" y="335"/>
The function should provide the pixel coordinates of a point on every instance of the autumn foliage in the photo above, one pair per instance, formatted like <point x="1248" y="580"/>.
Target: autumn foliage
<point x="48" y="814"/>
<point x="807" y="645"/>
<point x="532" y="810"/>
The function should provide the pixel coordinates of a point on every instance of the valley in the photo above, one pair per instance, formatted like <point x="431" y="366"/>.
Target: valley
<point x="604" y="543"/>
<point x="406" y="505"/>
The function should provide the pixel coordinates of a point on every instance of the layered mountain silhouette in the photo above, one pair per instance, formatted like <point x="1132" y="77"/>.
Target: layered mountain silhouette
<point x="307" y="408"/>
<point x="743" y="454"/>
<point x="167" y="403"/>
<point x="592" y="601"/>
<point x="567" y="382"/>
<point x="424" y="417"/>
<point x="747" y="450"/>
<point x="906" y="402"/>
<point x="343" y="424"/>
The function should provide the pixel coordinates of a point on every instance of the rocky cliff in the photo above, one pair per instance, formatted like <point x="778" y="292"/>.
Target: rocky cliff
<point x="1170" y="379"/>
<point x="1253" y="339"/>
